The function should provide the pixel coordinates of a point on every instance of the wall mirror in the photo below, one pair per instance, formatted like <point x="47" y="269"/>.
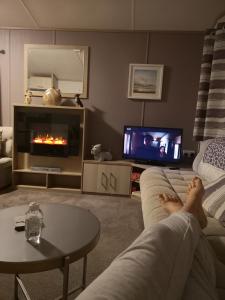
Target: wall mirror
<point x="59" y="66"/>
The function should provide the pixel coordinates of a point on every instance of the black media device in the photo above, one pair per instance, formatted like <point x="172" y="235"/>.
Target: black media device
<point x="20" y="223"/>
<point x="152" y="145"/>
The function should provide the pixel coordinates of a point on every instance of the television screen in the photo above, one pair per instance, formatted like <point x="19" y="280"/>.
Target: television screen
<point x="152" y="144"/>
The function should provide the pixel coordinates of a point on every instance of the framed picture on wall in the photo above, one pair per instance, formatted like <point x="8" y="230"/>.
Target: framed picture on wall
<point x="145" y="81"/>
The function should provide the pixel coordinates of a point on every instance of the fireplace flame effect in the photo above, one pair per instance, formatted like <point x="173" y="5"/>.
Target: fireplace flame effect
<point x="49" y="140"/>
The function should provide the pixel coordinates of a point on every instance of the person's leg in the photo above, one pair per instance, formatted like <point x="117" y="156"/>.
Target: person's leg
<point x="157" y="265"/>
<point x="220" y="278"/>
<point x="201" y="282"/>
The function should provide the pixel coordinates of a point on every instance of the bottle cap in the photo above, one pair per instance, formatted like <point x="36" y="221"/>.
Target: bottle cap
<point x="34" y="205"/>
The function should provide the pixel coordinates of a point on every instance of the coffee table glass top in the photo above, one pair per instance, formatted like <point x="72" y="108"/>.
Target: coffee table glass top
<point x="68" y="231"/>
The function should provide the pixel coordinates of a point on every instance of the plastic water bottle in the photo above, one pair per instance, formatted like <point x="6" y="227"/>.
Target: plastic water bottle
<point x="33" y="223"/>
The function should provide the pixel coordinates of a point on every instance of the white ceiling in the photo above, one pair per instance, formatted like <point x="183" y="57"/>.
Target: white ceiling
<point x="184" y="15"/>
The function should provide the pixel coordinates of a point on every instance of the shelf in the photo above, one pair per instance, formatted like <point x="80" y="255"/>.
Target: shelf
<point x="30" y="179"/>
<point x="31" y="186"/>
<point x="66" y="173"/>
<point x="46" y="188"/>
<point x="49" y="106"/>
<point x="65" y="189"/>
<point x="64" y="181"/>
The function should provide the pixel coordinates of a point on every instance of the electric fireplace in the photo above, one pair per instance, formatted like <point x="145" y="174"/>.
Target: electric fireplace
<point x="49" y="139"/>
<point x="48" y="133"/>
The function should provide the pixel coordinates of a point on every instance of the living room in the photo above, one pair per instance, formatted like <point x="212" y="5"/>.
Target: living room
<point x="117" y="35"/>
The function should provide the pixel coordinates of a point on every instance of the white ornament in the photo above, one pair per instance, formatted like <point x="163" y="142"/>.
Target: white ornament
<point x="99" y="155"/>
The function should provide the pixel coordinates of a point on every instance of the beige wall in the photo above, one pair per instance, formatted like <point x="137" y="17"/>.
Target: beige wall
<point x="181" y="54"/>
<point x="110" y="55"/>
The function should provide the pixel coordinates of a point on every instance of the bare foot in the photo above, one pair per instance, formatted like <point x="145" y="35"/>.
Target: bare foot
<point x="193" y="202"/>
<point x="170" y="203"/>
<point x="195" y="188"/>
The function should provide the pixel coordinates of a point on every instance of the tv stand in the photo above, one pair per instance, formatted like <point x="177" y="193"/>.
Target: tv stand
<point x="150" y="163"/>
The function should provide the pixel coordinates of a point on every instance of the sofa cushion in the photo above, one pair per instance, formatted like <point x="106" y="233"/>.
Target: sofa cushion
<point x="154" y="181"/>
<point x="5" y="162"/>
<point x="8" y="147"/>
<point x="2" y="144"/>
<point x="202" y="147"/>
<point x="215" y="153"/>
<point x="209" y="172"/>
<point x="7" y="133"/>
<point x="210" y="161"/>
<point x="214" y="228"/>
<point x="214" y="199"/>
<point x="218" y="245"/>
<point x="2" y="148"/>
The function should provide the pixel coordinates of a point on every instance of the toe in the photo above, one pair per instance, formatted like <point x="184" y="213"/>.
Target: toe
<point x="174" y="199"/>
<point x="163" y="198"/>
<point x="166" y="197"/>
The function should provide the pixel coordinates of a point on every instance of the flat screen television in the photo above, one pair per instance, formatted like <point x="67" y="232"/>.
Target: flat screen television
<point x="153" y="145"/>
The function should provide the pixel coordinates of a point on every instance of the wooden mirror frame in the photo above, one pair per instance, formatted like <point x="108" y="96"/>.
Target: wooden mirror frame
<point x="39" y="93"/>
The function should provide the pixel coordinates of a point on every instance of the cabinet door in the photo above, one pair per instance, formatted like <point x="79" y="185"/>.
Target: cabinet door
<point x="103" y="179"/>
<point x="119" y="179"/>
<point x="90" y="177"/>
<point x="106" y="178"/>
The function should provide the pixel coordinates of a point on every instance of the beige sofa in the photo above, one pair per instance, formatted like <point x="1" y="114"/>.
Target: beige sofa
<point x="6" y="157"/>
<point x="138" y="272"/>
<point x="155" y="180"/>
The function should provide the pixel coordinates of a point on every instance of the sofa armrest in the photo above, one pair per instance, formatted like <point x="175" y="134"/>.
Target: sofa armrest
<point x="7" y="136"/>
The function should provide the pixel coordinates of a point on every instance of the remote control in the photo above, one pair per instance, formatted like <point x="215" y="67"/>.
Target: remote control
<point x="19" y="223"/>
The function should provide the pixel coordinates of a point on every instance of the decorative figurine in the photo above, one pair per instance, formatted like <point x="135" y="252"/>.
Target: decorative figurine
<point x="99" y="155"/>
<point x="28" y="97"/>
<point x="77" y="101"/>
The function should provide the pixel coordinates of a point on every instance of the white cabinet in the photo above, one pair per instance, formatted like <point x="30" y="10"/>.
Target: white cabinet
<point x="106" y="177"/>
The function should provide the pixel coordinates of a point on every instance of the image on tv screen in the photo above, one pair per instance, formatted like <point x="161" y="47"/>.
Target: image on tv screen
<point x="152" y="143"/>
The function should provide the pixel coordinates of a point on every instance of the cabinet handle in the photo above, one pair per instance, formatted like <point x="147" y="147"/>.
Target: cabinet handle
<point x="113" y="181"/>
<point x="104" y="181"/>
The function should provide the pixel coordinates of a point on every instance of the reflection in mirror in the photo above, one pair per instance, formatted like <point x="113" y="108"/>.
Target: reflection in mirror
<point x="61" y="67"/>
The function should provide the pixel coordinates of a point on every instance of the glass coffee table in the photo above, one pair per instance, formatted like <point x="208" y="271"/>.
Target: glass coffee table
<point x="69" y="234"/>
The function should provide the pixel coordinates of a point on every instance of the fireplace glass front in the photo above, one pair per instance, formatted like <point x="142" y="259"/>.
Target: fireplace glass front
<point x="50" y="140"/>
<point x="48" y="134"/>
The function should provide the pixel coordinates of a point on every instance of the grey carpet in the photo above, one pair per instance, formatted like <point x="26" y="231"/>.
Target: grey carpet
<point x="121" y="222"/>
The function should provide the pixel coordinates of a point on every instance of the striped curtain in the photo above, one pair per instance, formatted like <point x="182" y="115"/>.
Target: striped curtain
<point x="210" y="110"/>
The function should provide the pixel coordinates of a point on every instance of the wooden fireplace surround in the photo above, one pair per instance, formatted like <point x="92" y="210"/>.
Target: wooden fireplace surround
<point x="70" y="176"/>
